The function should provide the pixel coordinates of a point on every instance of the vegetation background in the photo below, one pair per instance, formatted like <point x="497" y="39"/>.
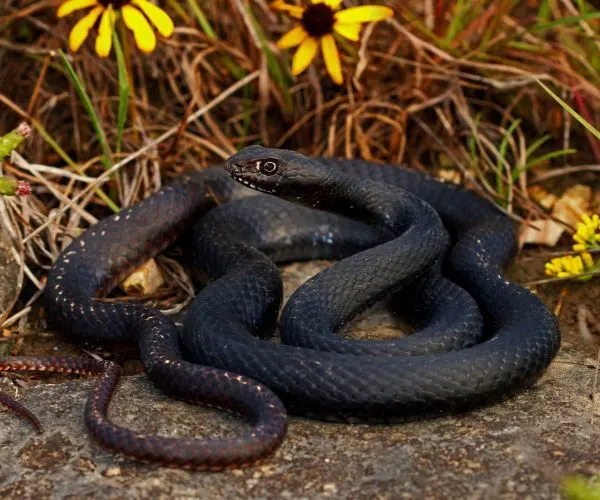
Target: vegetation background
<point x="457" y="88"/>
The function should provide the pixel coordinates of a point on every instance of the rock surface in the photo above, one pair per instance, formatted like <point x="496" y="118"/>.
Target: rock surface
<point x="517" y="449"/>
<point x="521" y="448"/>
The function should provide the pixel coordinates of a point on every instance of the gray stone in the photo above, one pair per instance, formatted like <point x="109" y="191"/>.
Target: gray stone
<point x="521" y="448"/>
<point x="518" y="449"/>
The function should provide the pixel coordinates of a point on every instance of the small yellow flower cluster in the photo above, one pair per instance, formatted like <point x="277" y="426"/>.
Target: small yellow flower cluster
<point x="588" y="233"/>
<point x="586" y="238"/>
<point x="569" y="266"/>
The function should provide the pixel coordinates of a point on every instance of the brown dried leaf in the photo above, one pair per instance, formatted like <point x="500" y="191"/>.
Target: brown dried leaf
<point x="145" y="280"/>
<point x="572" y="204"/>
<point x="542" y="232"/>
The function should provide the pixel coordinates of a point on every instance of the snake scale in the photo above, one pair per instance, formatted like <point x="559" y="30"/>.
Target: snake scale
<point x="434" y="251"/>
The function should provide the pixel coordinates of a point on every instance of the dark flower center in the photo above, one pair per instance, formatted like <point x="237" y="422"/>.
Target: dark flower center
<point x="318" y="20"/>
<point x="117" y="4"/>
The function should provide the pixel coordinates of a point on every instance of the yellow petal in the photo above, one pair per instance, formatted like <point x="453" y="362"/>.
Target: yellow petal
<point x="364" y="14"/>
<point x="104" y="38"/>
<point x="292" y="10"/>
<point x="82" y="28"/>
<point x="304" y="55"/>
<point x="145" y="38"/>
<point x="349" y="31"/>
<point x="72" y="5"/>
<point x="334" y="4"/>
<point x="157" y="16"/>
<point x="587" y="259"/>
<point x="332" y="59"/>
<point x="292" y="38"/>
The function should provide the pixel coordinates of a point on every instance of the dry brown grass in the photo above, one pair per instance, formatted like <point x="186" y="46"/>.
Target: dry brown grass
<point x="442" y="88"/>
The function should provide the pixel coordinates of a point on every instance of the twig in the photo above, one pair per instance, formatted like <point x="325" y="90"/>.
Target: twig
<point x="557" y="172"/>
<point x="555" y="280"/>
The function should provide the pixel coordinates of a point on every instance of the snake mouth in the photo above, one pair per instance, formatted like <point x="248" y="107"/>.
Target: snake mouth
<point x="237" y="173"/>
<point x="252" y="185"/>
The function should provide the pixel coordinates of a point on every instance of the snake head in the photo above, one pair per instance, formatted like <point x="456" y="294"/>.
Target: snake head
<point x="257" y="167"/>
<point x="281" y="172"/>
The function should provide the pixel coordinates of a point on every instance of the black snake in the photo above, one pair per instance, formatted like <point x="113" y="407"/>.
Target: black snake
<point x="480" y="336"/>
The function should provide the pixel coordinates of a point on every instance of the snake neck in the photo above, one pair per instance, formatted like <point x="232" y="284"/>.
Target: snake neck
<point x="385" y="207"/>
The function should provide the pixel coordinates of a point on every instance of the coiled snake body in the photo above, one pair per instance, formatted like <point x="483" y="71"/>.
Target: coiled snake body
<point x="480" y="336"/>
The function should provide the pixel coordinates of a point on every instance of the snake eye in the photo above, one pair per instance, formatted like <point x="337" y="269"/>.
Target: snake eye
<point x="268" y="167"/>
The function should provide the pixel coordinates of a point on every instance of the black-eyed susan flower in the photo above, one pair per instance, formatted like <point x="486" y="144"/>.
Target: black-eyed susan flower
<point x="137" y="16"/>
<point x="318" y="22"/>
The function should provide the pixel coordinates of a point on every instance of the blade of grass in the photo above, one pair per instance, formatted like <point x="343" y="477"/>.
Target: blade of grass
<point x="281" y="77"/>
<point x="89" y="108"/>
<point x="473" y="142"/>
<point x="524" y="46"/>
<point x="502" y="155"/>
<point x="416" y="23"/>
<point x="582" y="6"/>
<point x="144" y="149"/>
<point x="457" y="20"/>
<point x="570" y="110"/>
<point x="174" y="4"/>
<point x="123" y="90"/>
<point x="62" y="153"/>
<point x="566" y="20"/>
<point x="544" y="10"/>
<point x="202" y="20"/>
<point x="540" y="159"/>
<point x="237" y="72"/>
<point x="56" y="147"/>
<point x="537" y="145"/>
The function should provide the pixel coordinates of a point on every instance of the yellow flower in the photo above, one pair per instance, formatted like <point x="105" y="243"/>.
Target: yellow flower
<point x="135" y="13"/>
<point x="318" y="22"/>
<point x="587" y="237"/>
<point x="570" y="266"/>
<point x="588" y="233"/>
